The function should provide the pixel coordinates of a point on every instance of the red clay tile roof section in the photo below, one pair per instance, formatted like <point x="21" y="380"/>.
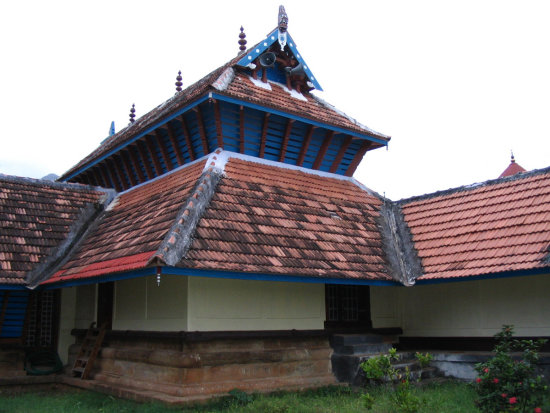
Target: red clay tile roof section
<point x="35" y="218"/>
<point x="273" y="220"/>
<point x="503" y="225"/>
<point x="242" y="88"/>
<point x="132" y="230"/>
<point x="512" y="169"/>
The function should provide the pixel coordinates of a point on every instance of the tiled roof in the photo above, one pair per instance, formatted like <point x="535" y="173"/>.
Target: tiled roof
<point x="241" y="87"/>
<point x="132" y="228"/>
<point x="499" y="226"/>
<point x="512" y="169"/>
<point x="276" y="220"/>
<point x="36" y="217"/>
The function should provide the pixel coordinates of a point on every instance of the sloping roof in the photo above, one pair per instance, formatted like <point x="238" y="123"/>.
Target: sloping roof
<point x="231" y="81"/>
<point x="512" y="169"/>
<point x="261" y="218"/>
<point x="486" y="229"/>
<point x="36" y="218"/>
<point x="132" y="228"/>
<point x="270" y="219"/>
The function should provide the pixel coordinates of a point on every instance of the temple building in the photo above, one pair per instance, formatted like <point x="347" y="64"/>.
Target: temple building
<point x="221" y="241"/>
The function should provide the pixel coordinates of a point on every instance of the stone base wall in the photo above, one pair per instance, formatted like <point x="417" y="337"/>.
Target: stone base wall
<point x="213" y="366"/>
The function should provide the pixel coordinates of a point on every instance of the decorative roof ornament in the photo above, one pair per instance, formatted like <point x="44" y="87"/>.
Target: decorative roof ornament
<point x="132" y="114"/>
<point x="242" y="42"/>
<point x="112" y="129"/>
<point x="283" y="26"/>
<point x="178" y="83"/>
<point x="513" y="160"/>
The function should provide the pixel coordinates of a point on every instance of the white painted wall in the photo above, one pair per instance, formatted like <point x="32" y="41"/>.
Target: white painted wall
<point x="221" y="304"/>
<point x="469" y="308"/>
<point x="141" y="304"/>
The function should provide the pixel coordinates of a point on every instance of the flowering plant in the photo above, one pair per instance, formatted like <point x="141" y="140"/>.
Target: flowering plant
<point x="508" y="381"/>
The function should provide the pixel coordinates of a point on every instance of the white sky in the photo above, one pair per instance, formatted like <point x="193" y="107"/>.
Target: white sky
<point x="457" y="84"/>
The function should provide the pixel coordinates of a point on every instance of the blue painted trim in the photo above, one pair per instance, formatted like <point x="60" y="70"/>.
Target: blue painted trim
<point x="12" y="287"/>
<point x="272" y="38"/>
<point x="135" y="138"/>
<point x="493" y="276"/>
<point x="270" y="277"/>
<point x="217" y="274"/>
<point x="299" y="118"/>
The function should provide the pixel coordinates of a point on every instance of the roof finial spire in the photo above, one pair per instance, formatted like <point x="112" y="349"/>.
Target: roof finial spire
<point x="283" y="19"/>
<point x="283" y="25"/>
<point x="178" y="83"/>
<point x="242" y="41"/>
<point x="132" y="114"/>
<point x="513" y="159"/>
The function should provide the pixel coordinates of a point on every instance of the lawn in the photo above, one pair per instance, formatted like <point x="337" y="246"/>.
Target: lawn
<point x="446" y="397"/>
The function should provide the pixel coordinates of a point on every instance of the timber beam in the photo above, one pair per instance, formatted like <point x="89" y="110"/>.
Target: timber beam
<point x="219" y="130"/>
<point x="187" y="137"/>
<point x="305" y="145"/>
<point x="340" y="154"/>
<point x="164" y="151"/>
<point x="174" y="143"/>
<point x="143" y="154"/>
<point x="135" y="163"/>
<point x="323" y="150"/>
<point x="202" y="130"/>
<point x="358" y="157"/>
<point x="153" y="155"/>
<point x="263" y="139"/>
<point x="286" y="137"/>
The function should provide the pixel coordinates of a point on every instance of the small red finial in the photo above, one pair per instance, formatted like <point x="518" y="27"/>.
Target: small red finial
<point x="132" y="114"/>
<point x="178" y="82"/>
<point x="242" y="41"/>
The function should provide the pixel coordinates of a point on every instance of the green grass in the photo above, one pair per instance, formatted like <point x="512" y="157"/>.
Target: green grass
<point x="448" y="397"/>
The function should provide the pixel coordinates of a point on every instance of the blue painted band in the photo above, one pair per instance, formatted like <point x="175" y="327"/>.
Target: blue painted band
<point x="137" y="137"/>
<point x="217" y="274"/>
<point x="298" y="118"/>
<point x="12" y="287"/>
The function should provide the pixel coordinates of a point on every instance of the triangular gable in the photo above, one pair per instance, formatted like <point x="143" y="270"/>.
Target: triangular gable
<point x="272" y="40"/>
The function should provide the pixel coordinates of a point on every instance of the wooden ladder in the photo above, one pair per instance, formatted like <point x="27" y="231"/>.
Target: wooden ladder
<point x="88" y="351"/>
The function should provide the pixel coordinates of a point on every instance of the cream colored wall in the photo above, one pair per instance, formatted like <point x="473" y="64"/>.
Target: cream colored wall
<point x="77" y="311"/>
<point x="139" y="304"/>
<point x="221" y="304"/>
<point x="470" y="308"/>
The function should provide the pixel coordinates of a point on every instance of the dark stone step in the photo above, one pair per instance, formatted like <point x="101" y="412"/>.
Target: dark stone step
<point x="351" y="339"/>
<point x="362" y="349"/>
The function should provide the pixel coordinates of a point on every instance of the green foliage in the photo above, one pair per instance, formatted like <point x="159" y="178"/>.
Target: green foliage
<point x="508" y="381"/>
<point x="423" y="359"/>
<point x="449" y="397"/>
<point x="240" y="397"/>
<point x="403" y="397"/>
<point x="368" y="400"/>
<point x="379" y="367"/>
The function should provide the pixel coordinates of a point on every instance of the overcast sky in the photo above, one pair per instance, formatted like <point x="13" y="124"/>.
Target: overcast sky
<point x="457" y="85"/>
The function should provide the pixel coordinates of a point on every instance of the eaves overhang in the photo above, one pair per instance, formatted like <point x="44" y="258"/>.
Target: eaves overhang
<point x="167" y="270"/>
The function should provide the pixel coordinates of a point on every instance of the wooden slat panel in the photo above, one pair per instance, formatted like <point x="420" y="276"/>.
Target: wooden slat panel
<point x="113" y="174"/>
<point x="241" y="129"/>
<point x="219" y="130"/>
<point x="106" y="180"/>
<point x="264" y="134"/>
<point x="202" y="131"/>
<point x="340" y="154"/>
<point x="305" y="145"/>
<point x="187" y="137"/>
<point x="323" y="150"/>
<point x="143" y="155"/>
<point x="135" y="163"/>
<point x="120" y="173"/>
<point x="284" y="145"/>
<point x="153" y="155"/>
<point x="164" y="151"/>
<point x="357" y="158"/>
<point x="174" y="142"/>
<point x="126" y="164"/>
<point x="97" y="177"/>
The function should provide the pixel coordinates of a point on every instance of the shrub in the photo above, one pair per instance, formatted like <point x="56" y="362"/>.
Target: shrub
<point x="379" y="367"/>
<point x="511" y="383"/>
<point x="423" y="359"/>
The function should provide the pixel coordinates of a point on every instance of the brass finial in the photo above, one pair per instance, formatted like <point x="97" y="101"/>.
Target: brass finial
<point x="132" y="114"/>
<point x="178" y="82"/>
<point x="242" y="41"/>
<point x="512" y="158"/>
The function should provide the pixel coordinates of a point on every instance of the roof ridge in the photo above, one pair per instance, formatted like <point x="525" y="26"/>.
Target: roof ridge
<point x="53" y="184"/>
<point x="476" y="185"/>
<point x="86" y="222"/>
<point x="179" y="237"/>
